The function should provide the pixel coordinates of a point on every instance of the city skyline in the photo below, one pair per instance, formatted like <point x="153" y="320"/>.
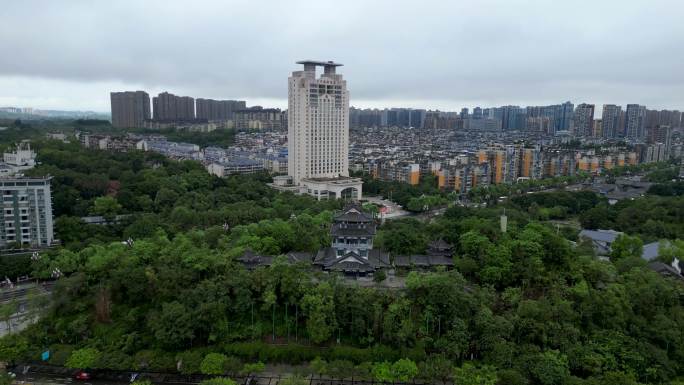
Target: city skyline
<point x="447" y="55"/>
<point x="598" y="108"/>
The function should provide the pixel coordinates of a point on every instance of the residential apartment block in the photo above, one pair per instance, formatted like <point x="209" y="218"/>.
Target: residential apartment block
<point x="169" y="107"/>
<point x="26" y="212"/>
<point x="129" y="109"/>
<point x="259" y="118"/>
<point x="221" y="110"/>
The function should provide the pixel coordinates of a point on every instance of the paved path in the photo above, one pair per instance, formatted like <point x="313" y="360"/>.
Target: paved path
<point x="20" y="295"/>
<point x="397" y="212"/>
<point x="18" y="323"/>
<point x="393" y="209"/>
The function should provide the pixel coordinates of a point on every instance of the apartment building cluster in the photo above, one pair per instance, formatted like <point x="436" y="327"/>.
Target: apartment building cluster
<point x="634" y="123"/>
<point x="132" y="109"/>
<point x="252" y="152"/>
<point x="388" y="117"/>
<point x="499" y="163"/>
<point x="507" y="118"/>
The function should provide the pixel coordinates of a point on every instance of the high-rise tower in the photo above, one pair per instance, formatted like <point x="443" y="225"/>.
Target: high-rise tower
<point x="610" y="121"/>
<point x="129" y="109"/>
<point x="318" y="132"/>
<point x="584" y="120"/>
<point x="635" y="122"/>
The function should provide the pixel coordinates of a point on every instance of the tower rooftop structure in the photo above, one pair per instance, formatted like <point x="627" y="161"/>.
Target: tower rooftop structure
<point x="328" y="66"/>
<point x="320" y="63"/>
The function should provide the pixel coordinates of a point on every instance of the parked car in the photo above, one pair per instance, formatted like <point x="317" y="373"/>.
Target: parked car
<point x="82" y="375"/>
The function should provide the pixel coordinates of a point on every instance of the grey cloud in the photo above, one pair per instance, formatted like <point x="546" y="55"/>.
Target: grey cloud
<point x="499" y="51"/>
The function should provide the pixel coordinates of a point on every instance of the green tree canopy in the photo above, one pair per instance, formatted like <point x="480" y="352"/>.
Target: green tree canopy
<point x="626" y="246"/>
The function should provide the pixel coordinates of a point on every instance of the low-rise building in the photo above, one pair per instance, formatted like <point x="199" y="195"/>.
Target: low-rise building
<point x="175" y="150"/>
<point x="21" y="159"/>
<point x="235" y="166"/>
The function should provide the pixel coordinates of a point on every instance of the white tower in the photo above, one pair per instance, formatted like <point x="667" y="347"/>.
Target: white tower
<point x="318" y="132"/>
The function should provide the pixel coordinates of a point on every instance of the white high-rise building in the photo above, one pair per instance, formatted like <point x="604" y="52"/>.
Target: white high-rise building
<point x="318" y="133"/>
<point x="26" y="212"/>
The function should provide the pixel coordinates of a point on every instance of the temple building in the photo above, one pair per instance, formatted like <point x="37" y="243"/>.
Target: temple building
<point x="439" y="253"/>
<point x="352" y="250"/>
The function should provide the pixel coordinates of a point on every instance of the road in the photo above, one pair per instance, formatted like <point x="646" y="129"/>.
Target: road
<point x="19" y="322"/>
<point x="55" y="379"/>
<point x="397" y="212"/>
<point x="393" y="209"/>
<point x="21" y="292"/>
<point x="24" y="315"/>
<point x="123" y="379"/>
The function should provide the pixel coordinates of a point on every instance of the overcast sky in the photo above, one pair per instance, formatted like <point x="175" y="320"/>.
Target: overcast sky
<point x="428" y="54"/>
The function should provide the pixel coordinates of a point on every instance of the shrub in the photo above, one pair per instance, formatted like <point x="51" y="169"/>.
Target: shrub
<point x="319" y="366"/>
<point x="154" y="360"/>
<point x="382" y="371"/>
<point x="254" y="368"/>
<point x="190" y="361"/>
<point x="364" y="370"/>
<point x="341" y="368"/>
<point x="232" y="365"/>
<point x="511" y="377"/>
<point x="435" y="368"/>
<point x="252" y="351"/>
<point x="298" y="354"/>
<point x="468" y="374"/>
<point x="379" y="352"/>
<point x="356" y="355"/>
<point x="213" y="363"/>
<point x="83" y="358"/>
<point x="14" y="348"/>
<point x="59" y="354"/>
<point x="114" y="360"/>
<point x="404" y="370"/>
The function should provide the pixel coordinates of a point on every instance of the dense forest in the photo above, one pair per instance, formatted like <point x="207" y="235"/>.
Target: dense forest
<point x="531" y="305"/>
